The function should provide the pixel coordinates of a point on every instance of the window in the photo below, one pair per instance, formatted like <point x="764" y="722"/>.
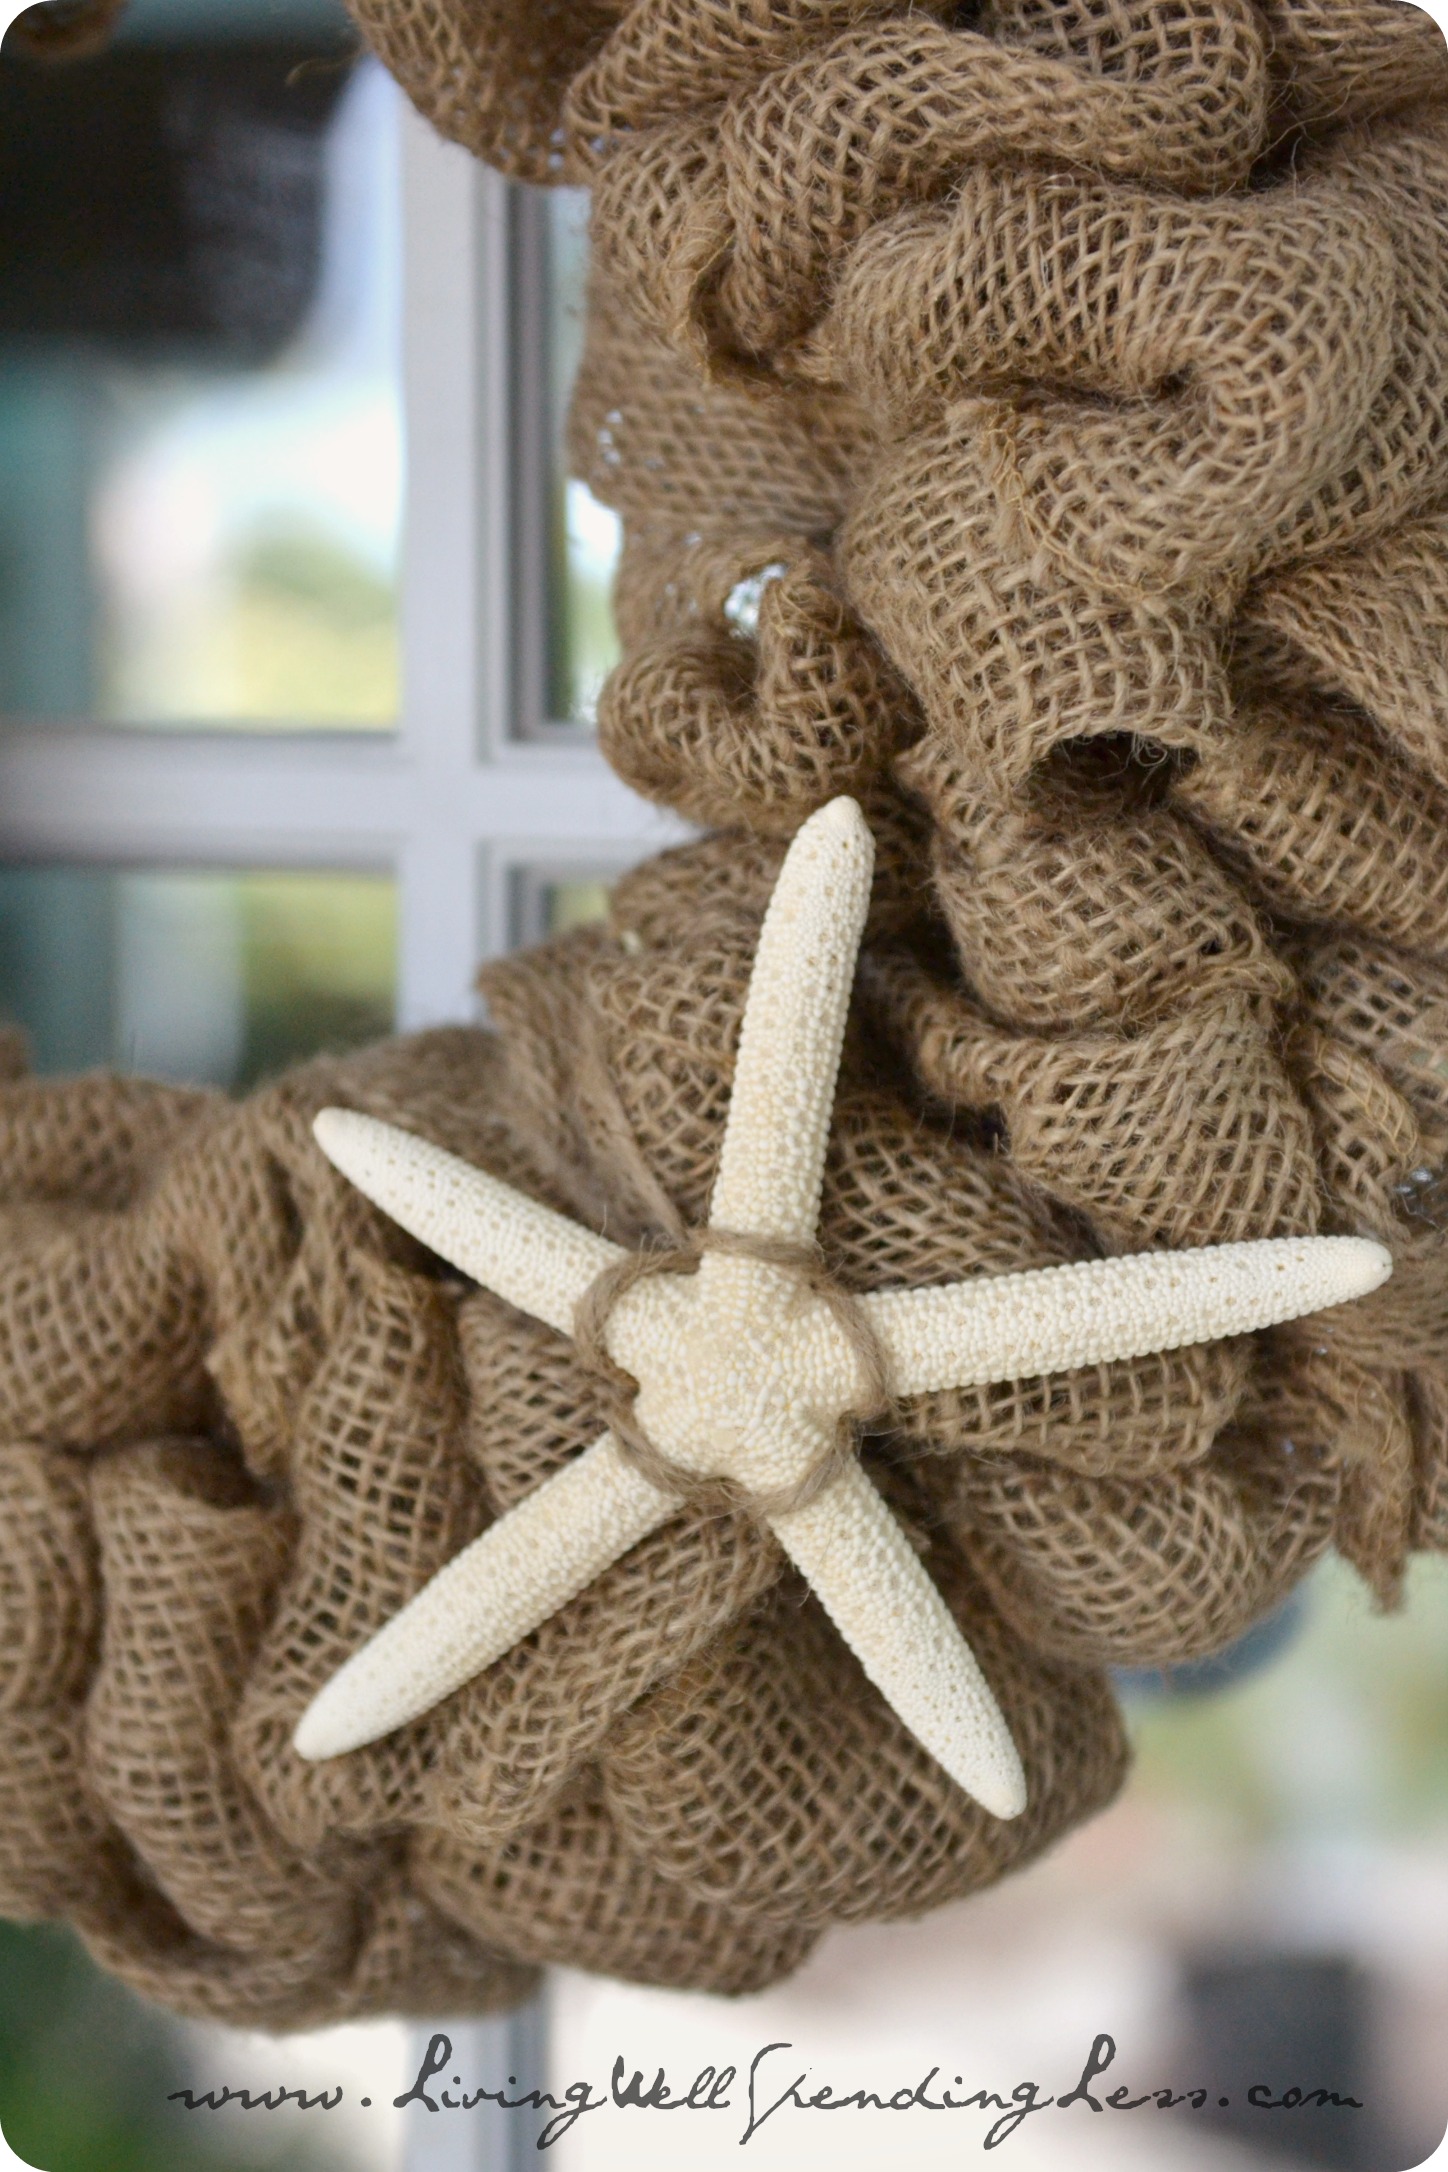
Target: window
<point x="211" y="506"/>
<point x="300" y="626"/>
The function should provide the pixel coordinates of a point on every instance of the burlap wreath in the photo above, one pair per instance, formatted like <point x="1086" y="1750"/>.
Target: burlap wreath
<point x="1036" y="425"/>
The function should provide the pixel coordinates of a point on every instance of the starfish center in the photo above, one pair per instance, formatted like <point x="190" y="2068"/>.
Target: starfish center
<point x="743" y="1369"/>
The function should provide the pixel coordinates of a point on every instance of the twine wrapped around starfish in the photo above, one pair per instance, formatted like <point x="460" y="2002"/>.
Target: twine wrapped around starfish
<point x="747" y="1369"/>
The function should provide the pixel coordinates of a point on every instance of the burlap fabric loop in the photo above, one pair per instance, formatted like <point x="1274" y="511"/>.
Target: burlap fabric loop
<point x="807" y="1271"/>
<point x="1126" y="488"/>
<point x="732" y="222"/>
<point x="1340" y="61"/>
<point x="761" y="695"/>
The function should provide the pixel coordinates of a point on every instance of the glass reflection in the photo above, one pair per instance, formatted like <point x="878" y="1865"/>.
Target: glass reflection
<point x="200" y="417"/>
<point x="575" y="904"/>
<point x="547" y="901"/>
<point x="584" y="536"/>
<point x="204" y="977"/>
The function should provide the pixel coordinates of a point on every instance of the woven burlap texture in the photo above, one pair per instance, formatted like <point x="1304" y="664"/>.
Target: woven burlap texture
<point x="247" y="1419"/>
<point x="1032" y="420"/>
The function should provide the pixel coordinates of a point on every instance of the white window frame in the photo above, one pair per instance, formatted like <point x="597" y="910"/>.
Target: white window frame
<point x="469" y="790"/>
<point x="473" y="801"/>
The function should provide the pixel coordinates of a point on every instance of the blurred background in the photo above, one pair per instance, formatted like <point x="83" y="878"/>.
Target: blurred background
<point x="201" y="499"/>
<point x="1267" y="1902"/>
<point x="203" y="476"/>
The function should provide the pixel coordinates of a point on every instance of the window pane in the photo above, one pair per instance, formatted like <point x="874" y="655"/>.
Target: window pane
<point x="547" y="901"/>
<point x="200" y="420"/>
<point x="583" y="535"/>
<point x="574" y="904"/>
<point x="211" y="977"/>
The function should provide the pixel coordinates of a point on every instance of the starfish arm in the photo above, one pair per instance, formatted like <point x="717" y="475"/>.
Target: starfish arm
<point x="1012" y="1327"/>
<point x="518" y="1249"/>
<point x="872" y="1584"/>
<point x="772" y="1158"/>
<point x="489" y="1597"/>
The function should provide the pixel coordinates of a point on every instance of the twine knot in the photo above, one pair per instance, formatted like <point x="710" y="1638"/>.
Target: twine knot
<point x="722" y="1495"/>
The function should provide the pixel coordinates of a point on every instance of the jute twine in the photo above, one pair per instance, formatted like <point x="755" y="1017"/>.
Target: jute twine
<point x="808" y="1272"/>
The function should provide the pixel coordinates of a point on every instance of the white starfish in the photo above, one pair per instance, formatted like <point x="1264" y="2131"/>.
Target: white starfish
<point x="745" y="1371"/>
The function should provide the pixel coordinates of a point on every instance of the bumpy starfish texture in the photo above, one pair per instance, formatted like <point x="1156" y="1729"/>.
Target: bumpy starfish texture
<point x="745" y="1371"/>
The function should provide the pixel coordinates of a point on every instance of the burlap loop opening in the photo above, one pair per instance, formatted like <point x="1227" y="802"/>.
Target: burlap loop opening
<point x="723" y="1495"/>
